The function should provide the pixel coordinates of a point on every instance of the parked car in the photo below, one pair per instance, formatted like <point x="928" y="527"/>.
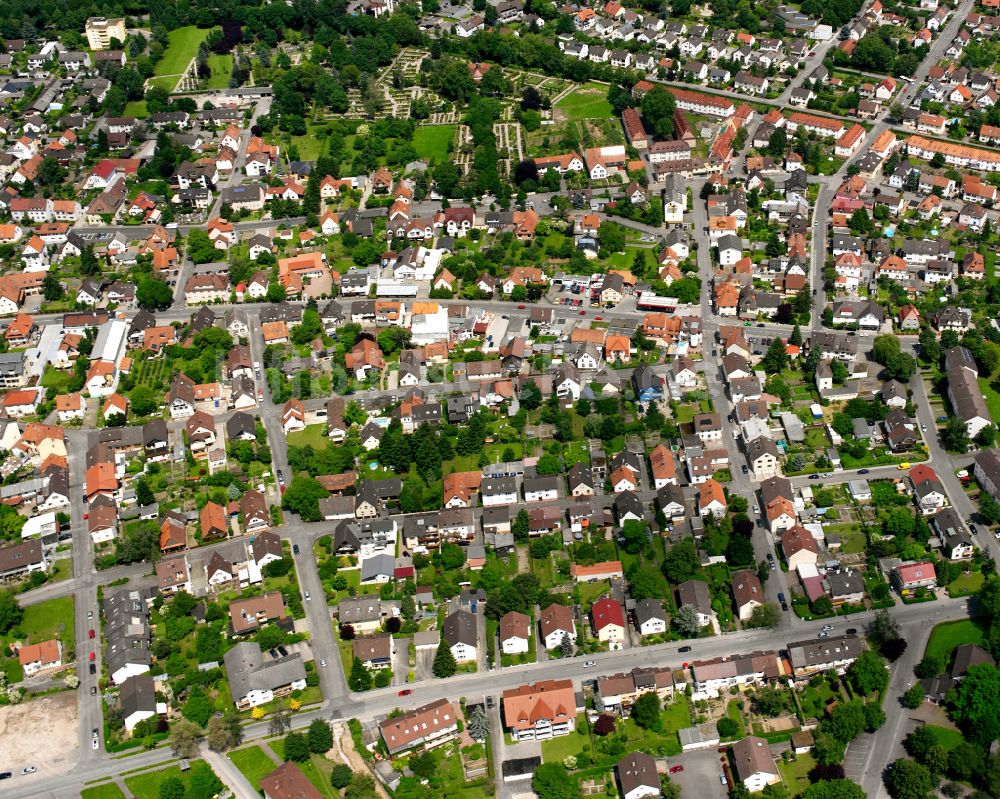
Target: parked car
<point x="676" y="769"/>
<point x="684" y="649"/>
<point x="406" y="692"/>
<point x="295" y="549"/>
<point x="851" y="630"/>
<point x="863" y="471"/>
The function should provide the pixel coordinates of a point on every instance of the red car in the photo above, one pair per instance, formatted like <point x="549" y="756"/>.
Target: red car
<point x="406" y="692"/>
<point x="91" y="633"/>
<point x="520" y="307"/>
<point x="583" y="313"/>
<point x="92" y="657"/>
<point x="676" y="769"/>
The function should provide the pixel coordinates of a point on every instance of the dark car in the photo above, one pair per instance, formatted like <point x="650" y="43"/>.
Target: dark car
<point x="5" y="775"/>
<point x="814" y="477"/>
<point x="684" y="649"/>
<point x="851" y="630"/>
<point x="93" y="668"/>
<point x="781" y="597"/>
<point x="283" y="651"/>
<point x="295" y="549"/>
<point x="760" y="522"/>
<point x="745" y="469"/>
<point x="770" y="557"/>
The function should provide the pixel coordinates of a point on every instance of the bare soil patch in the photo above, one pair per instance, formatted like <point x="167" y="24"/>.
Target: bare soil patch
<point x="40" y="733"/>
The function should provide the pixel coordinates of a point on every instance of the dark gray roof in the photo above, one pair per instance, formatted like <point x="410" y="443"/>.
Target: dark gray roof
<point x="459" y="628"/>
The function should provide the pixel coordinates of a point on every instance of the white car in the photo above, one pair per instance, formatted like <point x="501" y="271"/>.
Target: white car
<point x="96" y="743"/>
<point x="588" y="664"/>
<point x="28" y="770"/>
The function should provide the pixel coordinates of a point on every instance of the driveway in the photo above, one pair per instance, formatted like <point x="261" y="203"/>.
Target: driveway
<point x="425" y="664"/>
<point x="401" y="661"/>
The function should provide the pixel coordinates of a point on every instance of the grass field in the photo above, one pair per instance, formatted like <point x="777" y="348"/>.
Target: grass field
<point x="48" y="620"/>
<point x="431" y="141"/>
<point x="795" y="774"/>
<point x="946" y="737"/>
<point x="222" y="69"/>
<point x="991" y="393"/>
<point x="253" y="762"/>
<point x="183" y="47"/>
<point x="314" y="435"/>
<point x="589" y="101"/>
<point x="107" y="791"/>
<point x="556" y="749"/>
<point x="310" y="146"/>
<point x="966" y="584"/>
<point x="137" y="109"/>
<point x="945" y="637"/>
<point x="147" y="786"/>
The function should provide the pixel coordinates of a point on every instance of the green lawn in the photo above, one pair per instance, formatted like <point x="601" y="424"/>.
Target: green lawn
<point x="946" y="736"/>
<point x="309" y="146"/>
<point x="589" y="592"/>
<point x="222" y="69"/>
<point x="966" y="584"/>
<point x="684" y="414"/>
<point x="48" y="619"/>
<point x="795" y="773"/>
<point x="677" y="715"/>
<point x="147" y="785"/>
<point x="183" y="47"/>
<point x="945" y="637"/>
<point x="589" y="101"/>
<point x="137" y="109"/>
<point x="314" y="435"/>
<point x="991" y="393"/>
<point x="253" y="762"/>
<point x="431" y="141"/>
<point x="555" y="750"/>
<point x="107" y="791"/>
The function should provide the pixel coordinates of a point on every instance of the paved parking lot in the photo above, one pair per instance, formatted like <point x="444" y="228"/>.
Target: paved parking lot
<point x="701" y="773"/>
<point x="856" y="756"/>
